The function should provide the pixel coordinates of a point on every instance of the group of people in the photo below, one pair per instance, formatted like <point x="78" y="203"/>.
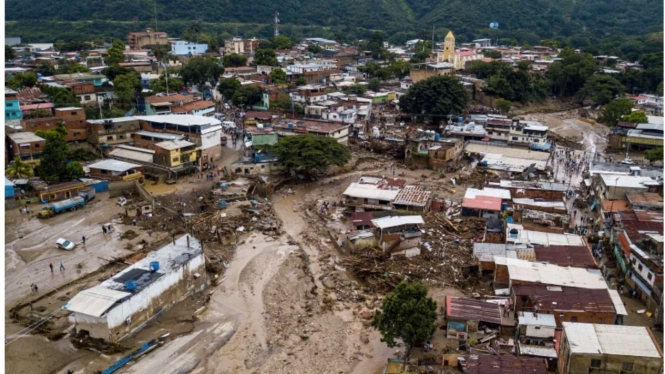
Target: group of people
<point x="326" y="206"/>
<point x="62" y="267"/>
<point x="106" y="229"/>
<point x="573" y="164"/>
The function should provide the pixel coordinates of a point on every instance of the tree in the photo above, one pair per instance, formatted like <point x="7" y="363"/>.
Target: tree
<point x="568" y="75"/>
<point x="434" y="98"/>
<point x="504" y="105"/>
<point x="635" y="117"/>
<point x="265" y="57"/>
<point x="200" y="70"/>
<point x="492" y="54"/>
<point x="406" y="314"/>
<point x="615" y="110"/>
<point x="234" y="60"/>
<point x="313" y="48"/>
<point x="247" y="95"/>
<point x="374" y="84"/>
<point x="159" y="85"/>
<point x="115" y="54"/>
<point x="283" y="101"/>
<point x="10" y="53"/>
<point x="420" y="57"/>
<point x="355" y="89"/>
<point x="309" y="154"/>
<point x="17" y="81"/>
<point x="265" y="44"/>
<point x="18" y="169"/>
<point x="73" y="170"/>
<point x="278" y="76"/>
<point x="228" y="87"/>
<point x="282" y="42"/>
<point x="114" y="70"/>
<point x="52" y="167"/>
<point x="126" y="86"/>
<point x="301" y="81"/>
<point x="601" y="89"/>
<point x="654" y="155"/>
<point x="44" y="68"/>
<point x="400" y="69"/>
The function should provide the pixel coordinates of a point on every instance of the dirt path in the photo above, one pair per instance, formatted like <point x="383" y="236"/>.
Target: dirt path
<point x="592" y="137"/>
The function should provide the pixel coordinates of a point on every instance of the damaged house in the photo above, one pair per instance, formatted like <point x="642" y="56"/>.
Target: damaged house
<point x="399" y="236"/>
<point x="125" y="303"/>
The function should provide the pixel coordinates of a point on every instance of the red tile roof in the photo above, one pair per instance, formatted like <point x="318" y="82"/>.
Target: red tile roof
<point x="483" y="203"/>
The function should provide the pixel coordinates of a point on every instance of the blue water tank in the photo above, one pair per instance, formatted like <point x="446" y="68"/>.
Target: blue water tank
<point x="130" y="285"/>
<point x="460" y="119"/>
<point x="266" y="125"/>
<point x="509" y="219"/>
<point x="223" y="186"/>
<point x="504" y="206"/>
<point x="256" y="158"/>
<point x="437" y="136"/>
<point x="290" y="125"/>
<point x="154" y="265"/>
<point x="222" y="204"/>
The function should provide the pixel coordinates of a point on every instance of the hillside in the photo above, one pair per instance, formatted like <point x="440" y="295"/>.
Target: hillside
<point x="524" y="20"/>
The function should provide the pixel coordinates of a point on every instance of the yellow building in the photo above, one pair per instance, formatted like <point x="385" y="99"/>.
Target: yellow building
<point x="459" y="57"/>
<point x="175" y="153"/>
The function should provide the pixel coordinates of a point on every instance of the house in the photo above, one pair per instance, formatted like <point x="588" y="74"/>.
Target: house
<point x="615" y="187"/>
<point x="413" y="199"/>
<point x="162" y="104"/>
<point x="112" y="131"/>
<point x="25" y="145"/>
<point x="310" y="93"/>
<point x="72" y="118"/>
<point x="373" y="193"/>
<point x="569" y="304"/>
<point x="12" y="105"/>
<point x="498" y="129"/>
<point x="513" y="271"/>
<point x="255" y="137"/>
<point x="536" y="334"/>
<point x="486" y="203"/>
<point x="141" y="67"/>
<point x="517" y="234"/>
<point x="183" y="48"/>
<point x="465" y="315"/>
<point x="428" y="149"/>
<point x="141" y="40"/>
<point x="234" y="45"/>
<point x="205" y="132"/>
<point x="529" y="133"/>
<point x="176" y="153"/>
<point x="337" y="131"/>
<point x="637" y="136"/>
<point x="114" y="170"/>
<point x="504" y="158"/>
<point x="130" y="299"/>
<point x="56" y="192"/>
<point x="535" y="189"/>
<point x="28" y="109"/>
<point x="95" y="79"/>
<point x="84" y="91"/>
<point x="400" y="235"/>
<point x="195" y="108"/>
<point x="645" y="201"/>
<point x="362" y="220"/>
<point x="590" y="348"/>
<point x="467" y="132"/>
<point x="503" y="364"/>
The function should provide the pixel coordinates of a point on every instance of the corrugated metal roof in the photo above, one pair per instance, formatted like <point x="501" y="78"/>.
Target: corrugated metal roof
<point x="588" y="338"/>
<point x="618" y="303"/>
<point x="388" y="222"/>
<point x="370" y="191"/>
<point x="489" y="192"/>
<point x="567" y="298"/>
<point x="537" y="350"/>
<point x="113" y="165"/>
<point x="554" y="275"/>
<point x="506" y="364"/>
<point x="472" y="310"/>
<point x="566" y="255"/>
<point x="540" y="319"/>
<point x="131" y="155"/>
<point x="95" y="301"/>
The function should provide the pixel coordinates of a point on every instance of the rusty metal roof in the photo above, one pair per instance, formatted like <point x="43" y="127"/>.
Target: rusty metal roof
<point x="650" y="199"/>
<point x="567" y="298"/>
<point x="472" y="310"/>
<point x="562" y="255"/>
<point x="490" y="364"/>
<point x="413" y="195"/>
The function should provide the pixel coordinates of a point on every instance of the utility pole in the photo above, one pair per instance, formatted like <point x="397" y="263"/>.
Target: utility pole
<point x="432" y="46"/>
<point x="154" y="2"/>
<point x="276" y="23"/>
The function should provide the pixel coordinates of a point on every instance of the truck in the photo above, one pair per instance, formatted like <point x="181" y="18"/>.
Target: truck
<point x="70" y="204"/>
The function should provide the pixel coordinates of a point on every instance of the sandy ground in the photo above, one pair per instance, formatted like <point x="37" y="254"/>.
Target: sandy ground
<point x="593" y="138"/>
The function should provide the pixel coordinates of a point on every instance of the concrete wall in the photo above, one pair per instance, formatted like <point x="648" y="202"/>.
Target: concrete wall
<point x="117" y="189"/>
<point x="580" y="364"/>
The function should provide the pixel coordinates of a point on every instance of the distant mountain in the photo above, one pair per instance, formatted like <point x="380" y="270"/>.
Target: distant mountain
<point x="525" y="20"/>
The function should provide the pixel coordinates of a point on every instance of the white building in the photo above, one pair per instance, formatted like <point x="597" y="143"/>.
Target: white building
<point x="182" y="48"/>
<point x="130" y="299"/>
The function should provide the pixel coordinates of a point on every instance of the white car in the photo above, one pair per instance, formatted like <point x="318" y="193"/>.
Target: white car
<point x="65" y="244"/>
<point x="628" y="162"/>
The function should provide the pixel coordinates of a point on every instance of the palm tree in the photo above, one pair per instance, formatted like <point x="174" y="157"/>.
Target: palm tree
<point x="18" y="169"/>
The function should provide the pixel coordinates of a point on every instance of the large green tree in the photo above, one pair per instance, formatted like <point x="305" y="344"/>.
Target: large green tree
<point x="282" y="42"/>
<point x="17" y="81"/>
<point x="309" y="154"/>
<point x="653" y="155"/>
<point x="265" y="57"/>
<point x="126" y="87"/>
<point x="278" y="76"/>
<point x="10" y="54"/>
<point x="228" y="87"/>
<point x="601" y="89"/>
<point x="568" y="75"/>
<point x="612" y="113"/>
<point x="159" y="85"/>
<point x="635" y="117"/>
<point x="200" y="70"/>
<point x="52" y="167"/>
<point x="374" y="84"/>
<point x="435" y="98"/>
<point x="115" y="54"/>
<point x="234" y="60"/>
<point x="407" y="314"/>
<point x="247" y="95"/>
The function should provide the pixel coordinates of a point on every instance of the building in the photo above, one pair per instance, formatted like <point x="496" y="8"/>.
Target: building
<point x="373" y="193"/>
<point x="182" y="48"/>
<point x="95" y="79"/>
<point x="12" y="105"/>
<point x="195" y="108"/>
<point x="535" y="189"/>
<point x="498" y="129"/>
<point x="310" y="93"/>
<point x="589" y="348"/>
<point x="56" y="192"/>
<point x="536" y="334"/>
<point x="12" y="40"/>
<point x="112" y="131"/>
<point x="335" y="130"/>
<point x="615" y="187"/>
<point x="517" y="234"/>
<point x="399" y="236"/>
<point x="645" y="201"/>
<point x="72" y="118"/>
<point x="458" y="58"/>
<point x="503" y="364"/>
<point x="234" y="45"/>
<point x="427" y="70"/>
<point x="162" y="104"/>
<point x="431" y="151"/>
<point x="205" y="132"/>
<point x="114" y="170"/>
<point x="486" y="203"/>
<point x="142" y="40"/>
<point x="25" y="145"/>
<point x="465" y="316"/>
<point x="413" y="199"/>
<point x="636" y="136"/>
<point x="530" y="134"/>
<point x="176" y="154"/>
<point x="130" y="299"/>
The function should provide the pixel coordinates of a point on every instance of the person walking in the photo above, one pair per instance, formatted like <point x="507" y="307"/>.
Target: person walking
<point x="104" y="229"/>
<point x="50" y="265"/>
<point x="62" y="267"/>
<point x="83" y="239"/>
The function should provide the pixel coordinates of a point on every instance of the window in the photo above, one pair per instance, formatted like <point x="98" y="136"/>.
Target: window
<point x="595" y="364"/>
<point x="73" y="113"/>
<point x="573" y="319"/>
<point x="514" y="138"/>
<point x="175" y="159"/>
<point x="649" y="276"/>
<point x="627" y="367"/>
<point x="109" y="138"/>
<point x="639" y="267"/>
<point x="86" y="97"/>
<point x="634" y="261"/>
<point x="36" y="145"/>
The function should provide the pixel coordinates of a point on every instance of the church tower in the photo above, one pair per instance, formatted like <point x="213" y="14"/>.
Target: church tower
<point x="449" y="48"/>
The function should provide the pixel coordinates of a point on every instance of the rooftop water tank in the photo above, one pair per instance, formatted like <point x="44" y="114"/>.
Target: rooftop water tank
<point x="437" y="136"/>
<point x="259" y="125"/>
<point x="130" y="285"/>
<point x="154" y="265"/>
<point x="460" y="119"/>
<point x="290" y="125"/>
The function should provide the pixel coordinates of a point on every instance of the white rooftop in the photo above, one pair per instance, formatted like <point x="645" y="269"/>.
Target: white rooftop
<point x="181" y="120"/>
<point x="554" y="275"/>
<point x="24" y="137"/>
<point x="541" y="238"/>
<point x="174" y="144"/>
<point x="370" y="191"/>
<point x="388" y="222"/>
<point x="625" y="181"/>
<point x="471" y="193"/>
<point x="113" y="165"/>
<point x="618" y="340"/>
<point x="540" y="319"/>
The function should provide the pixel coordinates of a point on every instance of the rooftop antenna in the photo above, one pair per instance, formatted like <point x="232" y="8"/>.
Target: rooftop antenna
<point x="276" y="23"/>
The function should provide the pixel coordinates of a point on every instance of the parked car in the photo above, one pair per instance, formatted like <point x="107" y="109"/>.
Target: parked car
<point x="65" y="244"/>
